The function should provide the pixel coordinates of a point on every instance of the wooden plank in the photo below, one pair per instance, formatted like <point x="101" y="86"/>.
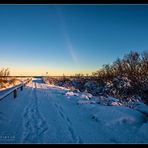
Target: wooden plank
<point x="15" y="93"/>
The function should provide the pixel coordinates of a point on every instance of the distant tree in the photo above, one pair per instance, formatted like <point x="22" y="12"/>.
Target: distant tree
<point x="79" y="75"/>
<point x="87" y="74"/>
<point x="4" y="72"/>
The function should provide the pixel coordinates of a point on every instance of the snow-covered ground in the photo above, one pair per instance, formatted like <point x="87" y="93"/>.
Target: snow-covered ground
<point x="49" y="114"/>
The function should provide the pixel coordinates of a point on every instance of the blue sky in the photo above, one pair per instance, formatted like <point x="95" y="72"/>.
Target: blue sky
<point x="67" y="39"/>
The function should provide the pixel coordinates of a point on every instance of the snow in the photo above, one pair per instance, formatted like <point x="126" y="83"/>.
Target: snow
<point x="83" y="95"/>
<point x="141" y="107"/>
<point x="86" y="95"/>
<point x="86" y="102"/>
<point x="123" y="123"/>
<point x="115" y="104"/>
<point x="143" y="133"/>
<point x="42" y="114"/>
<point x="117" y="115"/>
<point x="72" y="94"/>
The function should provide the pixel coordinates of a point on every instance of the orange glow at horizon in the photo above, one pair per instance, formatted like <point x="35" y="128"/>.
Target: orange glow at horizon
<point x="43" y="71"/>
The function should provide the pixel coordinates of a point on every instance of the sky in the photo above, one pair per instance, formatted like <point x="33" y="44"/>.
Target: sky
<point x="69" y="39"/>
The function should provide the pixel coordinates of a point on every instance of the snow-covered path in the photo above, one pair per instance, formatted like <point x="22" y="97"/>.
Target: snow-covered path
<point x="36" y="116"/>
<point x="44" y="114"/>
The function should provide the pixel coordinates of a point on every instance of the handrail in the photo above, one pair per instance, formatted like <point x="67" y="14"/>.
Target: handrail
<point x="14" y="90"/>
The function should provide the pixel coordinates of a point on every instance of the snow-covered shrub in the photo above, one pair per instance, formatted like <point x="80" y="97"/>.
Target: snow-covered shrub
<point x="126" y="77"/>
<point x="93" y="87"/>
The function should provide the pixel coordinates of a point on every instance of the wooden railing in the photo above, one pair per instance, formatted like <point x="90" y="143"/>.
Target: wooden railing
<point x="14" y="90"/>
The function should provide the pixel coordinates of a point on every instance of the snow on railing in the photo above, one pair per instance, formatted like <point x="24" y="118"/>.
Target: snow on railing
<point x="14" y="90"/>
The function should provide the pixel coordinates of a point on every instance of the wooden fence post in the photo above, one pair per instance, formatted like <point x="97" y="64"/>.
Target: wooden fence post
<point x="21" y="87"/>
<point x="15" y="93"/>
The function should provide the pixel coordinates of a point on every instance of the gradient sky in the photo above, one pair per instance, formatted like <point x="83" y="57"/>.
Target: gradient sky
<point x="67" y="39"/>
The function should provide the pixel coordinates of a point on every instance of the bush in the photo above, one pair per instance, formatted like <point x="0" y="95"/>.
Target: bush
<point x="125" y="79"/>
